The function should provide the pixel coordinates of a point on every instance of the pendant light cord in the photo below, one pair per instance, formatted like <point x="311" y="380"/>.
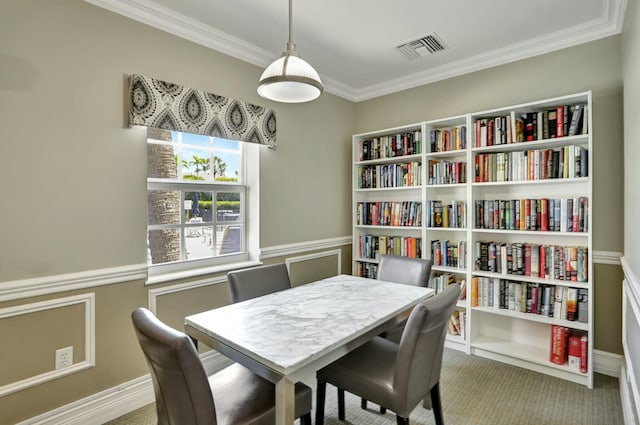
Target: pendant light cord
<point x="290" y="45"/>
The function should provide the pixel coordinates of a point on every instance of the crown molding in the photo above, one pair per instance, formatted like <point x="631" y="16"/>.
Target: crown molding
<point x="165" y="19"/>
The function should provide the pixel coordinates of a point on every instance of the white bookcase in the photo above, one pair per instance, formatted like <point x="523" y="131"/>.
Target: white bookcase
<point x="514" y="337"/>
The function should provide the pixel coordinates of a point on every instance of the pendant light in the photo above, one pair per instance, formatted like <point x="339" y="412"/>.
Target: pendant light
<point x="290" y="79"/>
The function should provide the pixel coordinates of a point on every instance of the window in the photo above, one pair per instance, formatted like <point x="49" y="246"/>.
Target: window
<point x="197" y="196"/>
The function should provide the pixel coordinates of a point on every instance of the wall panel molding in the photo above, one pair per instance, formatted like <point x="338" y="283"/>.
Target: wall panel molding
<point x="116" y="401"/>
<point x="155" y="293"/>
<point x="88" y="300"/>
<point x="18" y="289"/>
<point x="301" y="258"/>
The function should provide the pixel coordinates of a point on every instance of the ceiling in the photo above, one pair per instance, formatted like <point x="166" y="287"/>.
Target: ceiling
<point x="352" y="44"/>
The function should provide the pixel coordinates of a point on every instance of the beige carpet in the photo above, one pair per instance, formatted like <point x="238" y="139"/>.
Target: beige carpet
<point x="478" y="391"/>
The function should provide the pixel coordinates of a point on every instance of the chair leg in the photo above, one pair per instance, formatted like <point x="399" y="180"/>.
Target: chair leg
<point x="437" y="405"/>
<point x="383" y="410"/>
<point x="341" y="404"/>
<point x="363" y="403"/>
<point x="402" y="421"/>
<point x="321" y="390"/>
<point x="305" y="419"/>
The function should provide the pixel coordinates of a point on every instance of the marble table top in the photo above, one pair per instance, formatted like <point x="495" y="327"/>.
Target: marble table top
<point x="289" y="329"/>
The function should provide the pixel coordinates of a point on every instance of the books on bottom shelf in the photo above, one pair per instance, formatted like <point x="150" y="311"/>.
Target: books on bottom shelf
<point x="569" y="347"/>
<point x="457" y="324"/>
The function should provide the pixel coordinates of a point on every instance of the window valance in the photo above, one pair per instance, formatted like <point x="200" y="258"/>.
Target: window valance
<point x="159" y="104"/>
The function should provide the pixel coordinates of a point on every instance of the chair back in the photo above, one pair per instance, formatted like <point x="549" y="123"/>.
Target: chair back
<point x="410" y="271"/>
<point x="182" y="391"/>
<point x="257" y="281"/>
<point x="419" y="356"/>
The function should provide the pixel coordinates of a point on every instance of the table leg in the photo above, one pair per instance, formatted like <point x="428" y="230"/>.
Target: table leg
<point x="285" y="402"/>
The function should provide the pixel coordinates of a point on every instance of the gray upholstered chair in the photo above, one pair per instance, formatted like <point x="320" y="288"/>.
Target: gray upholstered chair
<point x="396" y="376"/>
<point x="257" y="281"/>
<point x="185" y="395"/>
<point x="410" y="271"/>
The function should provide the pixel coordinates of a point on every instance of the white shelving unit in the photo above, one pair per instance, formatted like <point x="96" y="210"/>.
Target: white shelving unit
<point x="518" y="338"/>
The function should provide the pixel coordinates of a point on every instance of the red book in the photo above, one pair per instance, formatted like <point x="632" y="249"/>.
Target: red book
<point x="584" y="350"/>
<point x="527" y="260"/>
<point x="543" y="262"/>
<point x="559" y="335"/>
<point x="544" y="214"/>
<point x="560" y="121"/>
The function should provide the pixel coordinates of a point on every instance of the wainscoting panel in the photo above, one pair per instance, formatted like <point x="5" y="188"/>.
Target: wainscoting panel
<point x="38" y="320"/>
<point x="311" y="267"/>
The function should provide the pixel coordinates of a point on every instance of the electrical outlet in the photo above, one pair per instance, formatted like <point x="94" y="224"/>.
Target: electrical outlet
<point x="64" y="357"/>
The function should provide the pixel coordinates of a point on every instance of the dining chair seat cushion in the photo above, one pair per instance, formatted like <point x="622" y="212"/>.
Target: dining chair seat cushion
<point x="362" y="371"/>
<point x="236" y="387"/>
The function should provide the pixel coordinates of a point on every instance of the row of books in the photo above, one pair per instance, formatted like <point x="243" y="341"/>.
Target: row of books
<point x="533" y="260"/>
<point x="453" y="215"/>
<point x="569" y="346"/>
<point x="448" y="139"/>
<point x="449" y="253"/>
<point x="546" y="215"/>
<point x="447" y="172"/>
<point x="390" y="146"/>
<point x="372" y="246"/>
<point x="368" y="270"/>
<point x="390" y="175"/>
<point x="516" y="127"/>
<point x="387" y="213"/>
<point x="542" y="164"/>
<point x="559" y="302"/>
<point x="438" y="281"/>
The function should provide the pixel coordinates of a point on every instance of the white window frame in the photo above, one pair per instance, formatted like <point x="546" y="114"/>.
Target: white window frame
<point x="249" y="189"/>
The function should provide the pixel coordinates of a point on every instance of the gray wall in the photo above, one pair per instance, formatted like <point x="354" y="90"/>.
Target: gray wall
<point x="78" y="195"/>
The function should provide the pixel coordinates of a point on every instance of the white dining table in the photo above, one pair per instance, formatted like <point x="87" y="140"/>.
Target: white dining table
<point x="287" y="335"/>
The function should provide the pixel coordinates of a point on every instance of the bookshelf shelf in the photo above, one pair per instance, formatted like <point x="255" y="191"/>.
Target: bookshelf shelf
<point x="527" y="353"/>
<point x="533" y="182"/>
<point x="522" y="278"/>
<point x="389" y="189"/>
<point x="448" y="269"/>
<point x="391" y="160"/>
<point x="472" y="151"/>
<point x="582" y="139"/>
<point x="533" y="232"/>
<point x="532" y="317"/>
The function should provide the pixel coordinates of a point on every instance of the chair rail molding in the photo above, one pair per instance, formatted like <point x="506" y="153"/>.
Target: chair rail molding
<point x="26" y="288"/>
<point x="296" y="248"/>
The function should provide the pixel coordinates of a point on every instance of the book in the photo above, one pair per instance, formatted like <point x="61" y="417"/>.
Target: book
<point x="584" y="354"/>
<point x="558" y="349"/>
<point x="583" y="305"/>
<point x="574" y="355"/>
<point x="572" y="304"/>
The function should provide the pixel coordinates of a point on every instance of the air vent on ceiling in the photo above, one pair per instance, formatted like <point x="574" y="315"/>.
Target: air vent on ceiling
<point x="423" y="46"/>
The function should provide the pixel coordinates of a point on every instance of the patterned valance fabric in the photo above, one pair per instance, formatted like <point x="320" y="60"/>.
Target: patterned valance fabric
<point x="158" y="104"/>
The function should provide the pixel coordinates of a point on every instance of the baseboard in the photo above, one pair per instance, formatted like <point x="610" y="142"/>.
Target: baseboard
<point x="114" y="402"/>
<point x="607" y="363"/>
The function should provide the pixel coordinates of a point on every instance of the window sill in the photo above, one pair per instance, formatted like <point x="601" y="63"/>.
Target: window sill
<point x="167" y="277"/>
